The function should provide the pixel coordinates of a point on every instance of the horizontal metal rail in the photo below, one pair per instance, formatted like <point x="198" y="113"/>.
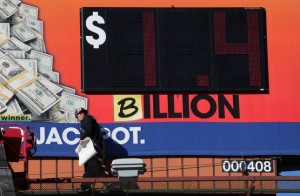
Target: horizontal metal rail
<point x="192" y="178"/>
<point x="206" y="184"/>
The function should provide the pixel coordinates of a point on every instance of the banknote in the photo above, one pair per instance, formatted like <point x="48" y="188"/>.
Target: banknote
<point x="24" y="109"/>
<point x="70" y="117"/>
<point x="15" y="18"/>
<point x="44" y="60"/>
<point x="16" y="2"/>
<point x="53" y="76"/>
<point x="27" y="10"/>
<point x="54" y="87"/>
<point x="9" y="67"/>
<point x="5" y="94"/>
<point x="23" y="32"/>
<point x="7" y="9"/>
<point x="29" y="64"/>
<point x="13" y="107"/>
<point x="45" y="117"/>
<point x="17" y="54"/>
<point x="38" y="44"/>
<point x="3" y="107"/>
<point x="69" y="102"/>
<point x="37" y="97"/>
<point x="1" y="52"/>
<point x="34" y="24"/>
<point x="57" y="116"/>
<point x="4" y="33"/>
<point x="67" y="89"/>
<point x="20" y="45"/>
<point x="9" y="45"/>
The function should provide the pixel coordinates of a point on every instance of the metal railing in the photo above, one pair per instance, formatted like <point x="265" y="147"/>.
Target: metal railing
<point x="218" y="184"/>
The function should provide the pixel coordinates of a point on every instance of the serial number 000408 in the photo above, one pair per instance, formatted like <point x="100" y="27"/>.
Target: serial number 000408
<point x="250" y="165"/>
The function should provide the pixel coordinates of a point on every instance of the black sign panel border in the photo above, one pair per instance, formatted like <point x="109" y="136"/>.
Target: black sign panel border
<point x="177" y="50"/>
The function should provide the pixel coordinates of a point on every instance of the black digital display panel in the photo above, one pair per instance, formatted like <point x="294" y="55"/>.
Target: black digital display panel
<point x="137" y="50"/>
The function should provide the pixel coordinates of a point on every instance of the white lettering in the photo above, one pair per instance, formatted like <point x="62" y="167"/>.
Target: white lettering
<point x="53" y="136"/>
<point x="126" y="135"/>
<point x="135" y="131"/>
<point x="90" y="21"/>
<point x="65" y="135"/>
<point x="42" y="136"/>
<point x="120" y="135"/>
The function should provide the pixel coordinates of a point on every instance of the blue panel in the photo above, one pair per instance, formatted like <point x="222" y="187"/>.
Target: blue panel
<point x="155" y="139"/>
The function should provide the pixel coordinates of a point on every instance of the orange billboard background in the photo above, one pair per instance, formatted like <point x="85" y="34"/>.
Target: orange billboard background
<point x="62" y="39"/>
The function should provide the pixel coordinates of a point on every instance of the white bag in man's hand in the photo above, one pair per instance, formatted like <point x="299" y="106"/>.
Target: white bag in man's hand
<point x="85" y="151"/>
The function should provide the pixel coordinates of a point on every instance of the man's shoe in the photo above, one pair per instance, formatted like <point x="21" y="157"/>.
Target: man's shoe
<point x="85" y="190"/>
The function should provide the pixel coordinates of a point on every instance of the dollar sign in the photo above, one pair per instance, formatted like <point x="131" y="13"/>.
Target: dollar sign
<point x="101" y="34"/>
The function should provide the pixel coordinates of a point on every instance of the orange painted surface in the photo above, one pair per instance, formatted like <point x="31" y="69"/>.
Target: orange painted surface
<point x="156" y="167"/>
<point x="62" y="39"/>
<point x="189" y="166"/>
<point x="160" y="167"/>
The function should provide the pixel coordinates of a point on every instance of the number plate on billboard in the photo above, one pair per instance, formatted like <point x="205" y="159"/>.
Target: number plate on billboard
<point x="250" y="165"/>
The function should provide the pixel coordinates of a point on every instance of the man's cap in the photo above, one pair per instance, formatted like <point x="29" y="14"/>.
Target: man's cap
<point x="80" y="110"/>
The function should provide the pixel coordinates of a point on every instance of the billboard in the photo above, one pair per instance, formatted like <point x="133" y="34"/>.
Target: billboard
<point x="41" y="85"/>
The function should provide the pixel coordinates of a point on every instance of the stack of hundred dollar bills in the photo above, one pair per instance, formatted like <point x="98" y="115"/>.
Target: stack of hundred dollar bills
<point x="28" y="84"/>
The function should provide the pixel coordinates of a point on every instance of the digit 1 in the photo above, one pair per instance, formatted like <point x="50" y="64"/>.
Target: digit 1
<point x="149" y="48"/>
<point x="251" y="48"/>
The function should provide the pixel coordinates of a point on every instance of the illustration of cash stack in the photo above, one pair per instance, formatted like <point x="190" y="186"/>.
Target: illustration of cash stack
<point x="28" y="84"/>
